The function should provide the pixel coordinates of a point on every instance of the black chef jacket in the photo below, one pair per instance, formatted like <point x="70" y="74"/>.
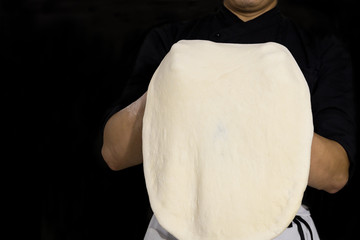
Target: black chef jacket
<point x="323" y="61"/>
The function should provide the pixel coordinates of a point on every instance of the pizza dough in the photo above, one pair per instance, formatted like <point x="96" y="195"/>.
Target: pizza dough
<point x="227" y="135"/>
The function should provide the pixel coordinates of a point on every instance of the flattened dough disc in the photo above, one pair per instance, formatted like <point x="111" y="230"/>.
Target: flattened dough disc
<point x="227" y="134"/>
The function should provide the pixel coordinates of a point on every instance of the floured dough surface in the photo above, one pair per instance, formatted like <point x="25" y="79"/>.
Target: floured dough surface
<point x="227" y="134"/>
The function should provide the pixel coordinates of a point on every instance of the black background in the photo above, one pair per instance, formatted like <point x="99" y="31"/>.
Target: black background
<point x="63" y="64"/>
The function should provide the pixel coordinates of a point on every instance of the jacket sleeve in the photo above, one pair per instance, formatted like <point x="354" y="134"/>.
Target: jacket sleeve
<point x="153" y="49"/>
<point x="333" y="98"/>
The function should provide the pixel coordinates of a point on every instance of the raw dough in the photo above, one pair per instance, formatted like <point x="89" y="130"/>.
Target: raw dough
<point x="227" y="134"/>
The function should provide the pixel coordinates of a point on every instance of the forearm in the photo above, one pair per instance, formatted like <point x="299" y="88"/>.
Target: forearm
<point x="329" y="169"/>
<point x="122" y="145"/>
